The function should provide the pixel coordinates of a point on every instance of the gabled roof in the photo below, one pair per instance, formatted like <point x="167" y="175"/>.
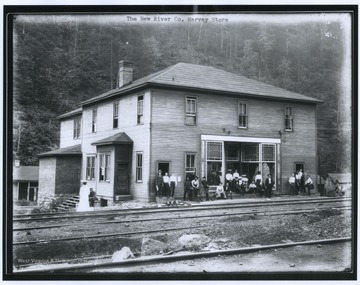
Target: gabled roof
<point x="120" y="138"/>
<point x="341" y="177"/>
<point x="71" y="150"/>
<point x="206" y="78"/>
<point x="26" y="173"/>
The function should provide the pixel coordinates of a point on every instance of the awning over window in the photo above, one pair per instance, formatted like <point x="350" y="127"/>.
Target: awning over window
<point x="120" y="138"/>
<point x="239" y="139"/>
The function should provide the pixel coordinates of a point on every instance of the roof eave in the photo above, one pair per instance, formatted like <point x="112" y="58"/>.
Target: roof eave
<point x="111" y="143"/>
<point x="120" y="91"/>
<point x="198" y="89"/>
<point x="59" y="154"/>
<point x="127" y="90"/>
<point x="69" y="115"/>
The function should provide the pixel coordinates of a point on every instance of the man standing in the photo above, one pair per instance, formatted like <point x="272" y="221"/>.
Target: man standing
<point x="309" y="185"/>
<point x="292" y="181"/>
<point x="159" y="184"/>
<point x="258" y="181"/>
<point x="297" y="182"/>
<point x="187" y="187"/>
<point x="196" y="187"/>
<point x="269" y="183"/>
<point x="166" y="181"/>
<point x="173" y="184"/>
<point x="206" y="187"/>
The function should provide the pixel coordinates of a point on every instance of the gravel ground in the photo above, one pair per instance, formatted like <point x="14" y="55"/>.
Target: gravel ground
<point x="315" y="258"/>
<point x="222" y="232"/>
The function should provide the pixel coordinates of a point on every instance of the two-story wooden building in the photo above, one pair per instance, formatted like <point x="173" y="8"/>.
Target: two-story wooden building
<point x="186" y="119"/>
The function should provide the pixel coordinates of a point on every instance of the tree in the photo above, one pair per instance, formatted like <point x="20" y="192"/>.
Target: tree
<point x="61" y="61"/>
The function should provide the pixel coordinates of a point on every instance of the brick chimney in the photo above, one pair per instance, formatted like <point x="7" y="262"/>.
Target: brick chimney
<point x="125" y="73"/>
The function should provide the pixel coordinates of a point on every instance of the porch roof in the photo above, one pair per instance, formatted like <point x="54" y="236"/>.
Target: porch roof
<point x="120" y="138"/>
<point x="71" y="150"/>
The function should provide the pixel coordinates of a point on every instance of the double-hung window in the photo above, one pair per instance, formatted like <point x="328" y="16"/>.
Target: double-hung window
<point x="104" y="167"/>
<point x="90" y="167"/>
<point x="289" y="119"/>
<point x="94" y="120"/>
<point x="243" y="115"/>
<point x="139" y="165"/>
<point x="140" y="110"/>
<point x="77" y="127"/>
<point x="190" y="169"/>
<point x="191" y="111"/>
<point x="115" y="115"/>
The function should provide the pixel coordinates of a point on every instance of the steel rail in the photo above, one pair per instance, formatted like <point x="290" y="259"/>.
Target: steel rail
<point x="274" y="213"/>
<point x="106" y="235"/>
<point x="178" y="209"/>
<point x="173" y="258"/>
<point x="155" y="208"/>
<point x="188" y="205"/>
<point x="172" y="218"/>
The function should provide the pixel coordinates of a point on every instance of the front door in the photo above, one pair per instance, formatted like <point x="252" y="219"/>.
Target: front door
<point x="23" y="191"/>
<point x="164" y="167"/>
<point x="122" y="180"/>
<point x="299" y="166"/>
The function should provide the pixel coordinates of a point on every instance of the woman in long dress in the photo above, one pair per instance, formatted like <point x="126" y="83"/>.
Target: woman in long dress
<point x="84" y="198"/>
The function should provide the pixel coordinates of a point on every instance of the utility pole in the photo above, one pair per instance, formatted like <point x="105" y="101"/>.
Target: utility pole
<point x="19" y="138"/>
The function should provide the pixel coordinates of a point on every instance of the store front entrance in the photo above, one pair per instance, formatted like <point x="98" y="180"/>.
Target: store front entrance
<point x="246" y="156"/>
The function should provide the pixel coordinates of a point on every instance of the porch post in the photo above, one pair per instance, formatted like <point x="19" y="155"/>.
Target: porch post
<point x="203" y="159"/>
<point x="278" y="167"/>
<point x="223" y="170"/>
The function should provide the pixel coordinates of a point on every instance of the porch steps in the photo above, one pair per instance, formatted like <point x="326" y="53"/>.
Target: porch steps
<point x="69" y="204"/>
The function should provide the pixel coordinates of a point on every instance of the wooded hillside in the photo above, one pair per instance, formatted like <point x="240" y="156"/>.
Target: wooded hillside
<point x="61" y="61"/>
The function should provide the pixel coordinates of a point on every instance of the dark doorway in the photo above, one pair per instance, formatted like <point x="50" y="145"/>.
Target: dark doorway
<point x="23" y="191"/>
<point x="299" y="166"/>
<point x="122" y="179"/>
<point x="31" y="194"/>
<point x="164" y="167"/>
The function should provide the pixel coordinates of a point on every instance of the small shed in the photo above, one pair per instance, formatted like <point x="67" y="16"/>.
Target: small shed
<point x="345" y="180"/>
<point x="60" y="172"/>
<point x="25" y="183"/>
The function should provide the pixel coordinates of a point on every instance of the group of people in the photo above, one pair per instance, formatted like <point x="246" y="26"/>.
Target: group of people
<point x="234" y="182"/>
<point x="261" y="188"/>
<point x="299" y="184"/>
<point x="165" y="185"/>
<point x="87" y="197"/>
<point x="192" y="190"/>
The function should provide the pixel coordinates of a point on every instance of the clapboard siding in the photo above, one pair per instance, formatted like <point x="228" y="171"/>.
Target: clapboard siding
<point x="218" y="115"/>
<point x="67" y="133"/>
<point x="140" y="134"/>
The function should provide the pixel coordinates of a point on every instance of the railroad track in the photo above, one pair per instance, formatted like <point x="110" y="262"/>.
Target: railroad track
<point x="212" y="217"/>
<point x="252" y="212"/>
<point x="146" y="232"/>
<point x="128" y="264"/>
<point x="198" y="207"/>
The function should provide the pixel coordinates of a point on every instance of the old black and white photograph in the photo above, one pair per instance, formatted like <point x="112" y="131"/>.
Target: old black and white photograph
<point x="197" y="143"/>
